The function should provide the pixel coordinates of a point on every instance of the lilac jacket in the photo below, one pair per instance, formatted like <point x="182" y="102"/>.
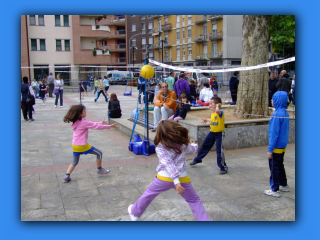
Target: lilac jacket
<point x="181" y="85"/>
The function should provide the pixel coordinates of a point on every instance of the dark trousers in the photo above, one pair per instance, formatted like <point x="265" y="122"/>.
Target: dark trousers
<point x="208" y="144"/>
<point x="150" y="97"/>
<point x="277" y="171"/>
<point x="61" y="98"/>
<point x="51" y="87"/>
<point x="27" y="108"/>
<point x="102" y="92"/>
<point x="270" y="95"/>
<point x="234" y="96"/>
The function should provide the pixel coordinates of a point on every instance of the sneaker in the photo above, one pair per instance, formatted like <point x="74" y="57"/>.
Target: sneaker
<point x="284" y="188"/>
<point x="66" y="179"/>
<point x="223" y="171"/>
<point x="43" y="104"/>
<point x="95" y="100"/>
<point x="31" y="120"/>
<point x="103" y="171"/>
<point x="55" y="106"/>
<point x="61" y="106"/>
<point x="26" y="119"/>
<point x="272" y="193"/>
<point x="132" y="217"/>
<point x="194" y="162"/>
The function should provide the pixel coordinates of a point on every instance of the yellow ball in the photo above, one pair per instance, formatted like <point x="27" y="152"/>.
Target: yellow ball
<point x="147" y="71"/>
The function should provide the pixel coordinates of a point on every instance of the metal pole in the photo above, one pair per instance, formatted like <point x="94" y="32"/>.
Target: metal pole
<point x="147" y="110"/>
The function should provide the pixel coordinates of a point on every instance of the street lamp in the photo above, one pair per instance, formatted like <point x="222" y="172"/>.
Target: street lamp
<point x="162" y="41"/>
<point x="130" y="44"/>
<point x="133" y="48"/>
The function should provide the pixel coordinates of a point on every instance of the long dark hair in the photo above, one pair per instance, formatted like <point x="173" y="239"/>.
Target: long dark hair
<point x="113" y="97"/>
<point x="172" y="135"/>
<point x="180" y="100"/>
<point x="74" y="113"/>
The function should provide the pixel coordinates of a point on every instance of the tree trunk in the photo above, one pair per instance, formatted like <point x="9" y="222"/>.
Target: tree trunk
<point x="252" y="97"/>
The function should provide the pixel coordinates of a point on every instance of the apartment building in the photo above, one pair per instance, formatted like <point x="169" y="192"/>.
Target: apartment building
<point x="139" y="38"/>
<point x="198" y="40"/>
<point x="46" y="46"/>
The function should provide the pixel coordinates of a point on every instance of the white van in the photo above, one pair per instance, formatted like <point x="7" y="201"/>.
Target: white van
<point x="118" y="77"/>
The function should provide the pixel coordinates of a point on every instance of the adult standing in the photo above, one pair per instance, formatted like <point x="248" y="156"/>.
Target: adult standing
<point x="182" y="85"/>
<point x="141" y="82"/>
<point x="81" y="89"/>
<point x="233" y="86"/>
<point x="165" y="104"/>
<point x="272" y="86"/>
<point x="202" y="80"/>
<point x="100" y="90"/>
<point x="214" y="85"/>
<point x="284" y="84"/>
<point x="51" y="84"/>
<point x="27" y="108"/>
<point x="106" y="88"/>
<point x="170" y="81"/>
<point x="58" y="90"/>
<point x="293" y="87"/>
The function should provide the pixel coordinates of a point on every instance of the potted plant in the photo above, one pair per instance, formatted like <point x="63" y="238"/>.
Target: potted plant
<point x="103" y="51"/>
<point x="94" y="52"/>
<point x="97" y="26"/>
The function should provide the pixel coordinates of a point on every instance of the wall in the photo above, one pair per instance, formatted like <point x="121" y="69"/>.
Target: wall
<point x="24" y="48"/>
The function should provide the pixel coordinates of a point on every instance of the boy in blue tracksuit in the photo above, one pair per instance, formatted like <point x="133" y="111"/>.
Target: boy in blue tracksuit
<point x="278" y="140"/>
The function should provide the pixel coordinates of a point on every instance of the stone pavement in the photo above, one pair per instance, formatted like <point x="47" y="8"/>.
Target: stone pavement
<point x="46" y="154"/>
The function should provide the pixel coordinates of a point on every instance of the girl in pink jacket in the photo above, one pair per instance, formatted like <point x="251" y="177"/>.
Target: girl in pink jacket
<point x="80" y="126"/>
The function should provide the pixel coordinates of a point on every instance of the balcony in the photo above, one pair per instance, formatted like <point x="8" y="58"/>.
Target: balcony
<point x="166" y="59"/>
<point x="100" y="28"/>
<point x="155" y="31"/>
<point x="121" y="60"/>
<point x="154" y="46"/>
<point x="203" y="56"/>
<point x="199" y="20"/>
<point x="114" y="47"/>
<point x="215" y="17"/>
<point x="166" y="27"/>
<point x="201" y="38"/>
<point x="115" y="20"/>
<point x="215" y="35"/>
<point x="156" y="16"/>
<point x="167" y="45"/>
<point x="215" y="55"/>
<point x="118" y="34"/>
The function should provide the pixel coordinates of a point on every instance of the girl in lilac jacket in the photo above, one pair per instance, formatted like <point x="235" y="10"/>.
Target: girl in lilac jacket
<point x="80" y="126"/>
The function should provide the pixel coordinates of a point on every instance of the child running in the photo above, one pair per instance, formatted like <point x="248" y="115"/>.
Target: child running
<point x="173" y="143"/>
<point x="182" y="109"/>
<point x="42" y="93"/>
<point x="216" y="134"/>
<point x="80" y="126"/>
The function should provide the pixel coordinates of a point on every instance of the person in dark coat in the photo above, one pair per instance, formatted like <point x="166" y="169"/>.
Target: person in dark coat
<point x="233" y="86"/>
<point x="272" y="86"/>
<point x="114" y="107"/>
<point x="284" y="83"/>
<point x="27" y="108"/>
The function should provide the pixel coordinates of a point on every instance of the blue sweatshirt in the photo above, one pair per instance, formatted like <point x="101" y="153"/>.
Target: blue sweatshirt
<point x="279" y="127"/>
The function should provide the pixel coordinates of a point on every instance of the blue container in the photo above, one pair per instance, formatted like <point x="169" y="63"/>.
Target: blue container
<point x="137" y="149"/>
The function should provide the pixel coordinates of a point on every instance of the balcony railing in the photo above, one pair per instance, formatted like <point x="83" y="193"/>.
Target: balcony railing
<point x="155" y="46"/>
<point x="118" y="60"/>
<point x="166" y="59"/>
<point x="166" y="27"/>
<point x="215" y="17"/>
<point x="201" y="38"/>
<point x="155" y="30"/>
<point x="200" y="20"/>
<point x="202" y="56"/>
<point x="167" y="45"/>
<point x="215" y="35"/>
<point x="121" y="33"/>
<point x="114" y="20"/>
<point x="215" y="55"/>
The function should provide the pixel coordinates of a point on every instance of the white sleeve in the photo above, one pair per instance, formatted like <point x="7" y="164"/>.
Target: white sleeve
<point x="31" y="91"/>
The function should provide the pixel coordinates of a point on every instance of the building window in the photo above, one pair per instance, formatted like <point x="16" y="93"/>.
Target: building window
<point x="204" y="31"/>
<point x="214" y="29"/>
<point x="143" y="16"/>
<point x="133" y="28"/>
<point x="42" y="44"/>
<point x="150" y="26"/>
<point x="178" y="36"/>
<point x="166" y="19"/>
<point x="150" y="40"/>
<point x="183" y="35"/>
<point x="32" y="19"/>
<point x="214" y="50"/>
<point x="104" y="43"/>
<point x="183" y="23"/>
<point x="58" y="45"/>
<point x="66" y="20"/>
<point x="67" y="45"/>
<point x="57" y="20"/>
<point x="178" y="21"/>
<point x="178" y="54"/>
<point x="34" y="44"/>
<point x="189" y="34"/>
<point x="189" y="52"/>
<point x="41" y="19"/>
<point x="143" y="43"/>
<point x="149" y="16"/>
<point x="150" y="54"/>
<point x="133" y="42"/>
<point x="189" y="19"/>
<point x="159" y="25"/>
<point x="143" y="28"/>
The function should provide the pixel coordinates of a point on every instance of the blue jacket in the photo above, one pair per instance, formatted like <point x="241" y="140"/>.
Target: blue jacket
<point x="279" y="127"/>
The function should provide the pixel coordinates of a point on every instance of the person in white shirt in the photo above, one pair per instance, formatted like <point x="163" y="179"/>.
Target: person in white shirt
<point x="58" y="90"/>
<point x="205" y="95"/>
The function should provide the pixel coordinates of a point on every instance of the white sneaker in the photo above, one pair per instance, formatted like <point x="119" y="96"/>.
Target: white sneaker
<point x="284" y="188"/>
<point x="43" y="104"/>
<point x="55" y="106"/>
<point x="61" y="106"/>
<point x="132" y="217"/>
<point x="272" y="193"/>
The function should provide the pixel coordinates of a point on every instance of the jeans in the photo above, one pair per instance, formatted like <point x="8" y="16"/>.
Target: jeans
<point x="141" y="89"/>
<point x="27" y="108"/>
<point x="101" y="92"/>
<point x="164" y="113"/>
<point x="61" y="98"/>
<point x="208" y="143"/>
<point x="51" y="87"/>
<point x="277" y="172"/>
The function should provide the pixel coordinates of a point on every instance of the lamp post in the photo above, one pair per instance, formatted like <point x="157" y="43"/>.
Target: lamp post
<point x="133" y="48"/>
<point x="130" y="44"/>
<point x="162" y="41"/>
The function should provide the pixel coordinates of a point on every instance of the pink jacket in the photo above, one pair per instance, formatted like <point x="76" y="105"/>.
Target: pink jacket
<point x="80" y="128"/>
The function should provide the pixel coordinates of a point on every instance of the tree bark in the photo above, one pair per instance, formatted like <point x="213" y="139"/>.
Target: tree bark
<point x="252" y="97"/>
